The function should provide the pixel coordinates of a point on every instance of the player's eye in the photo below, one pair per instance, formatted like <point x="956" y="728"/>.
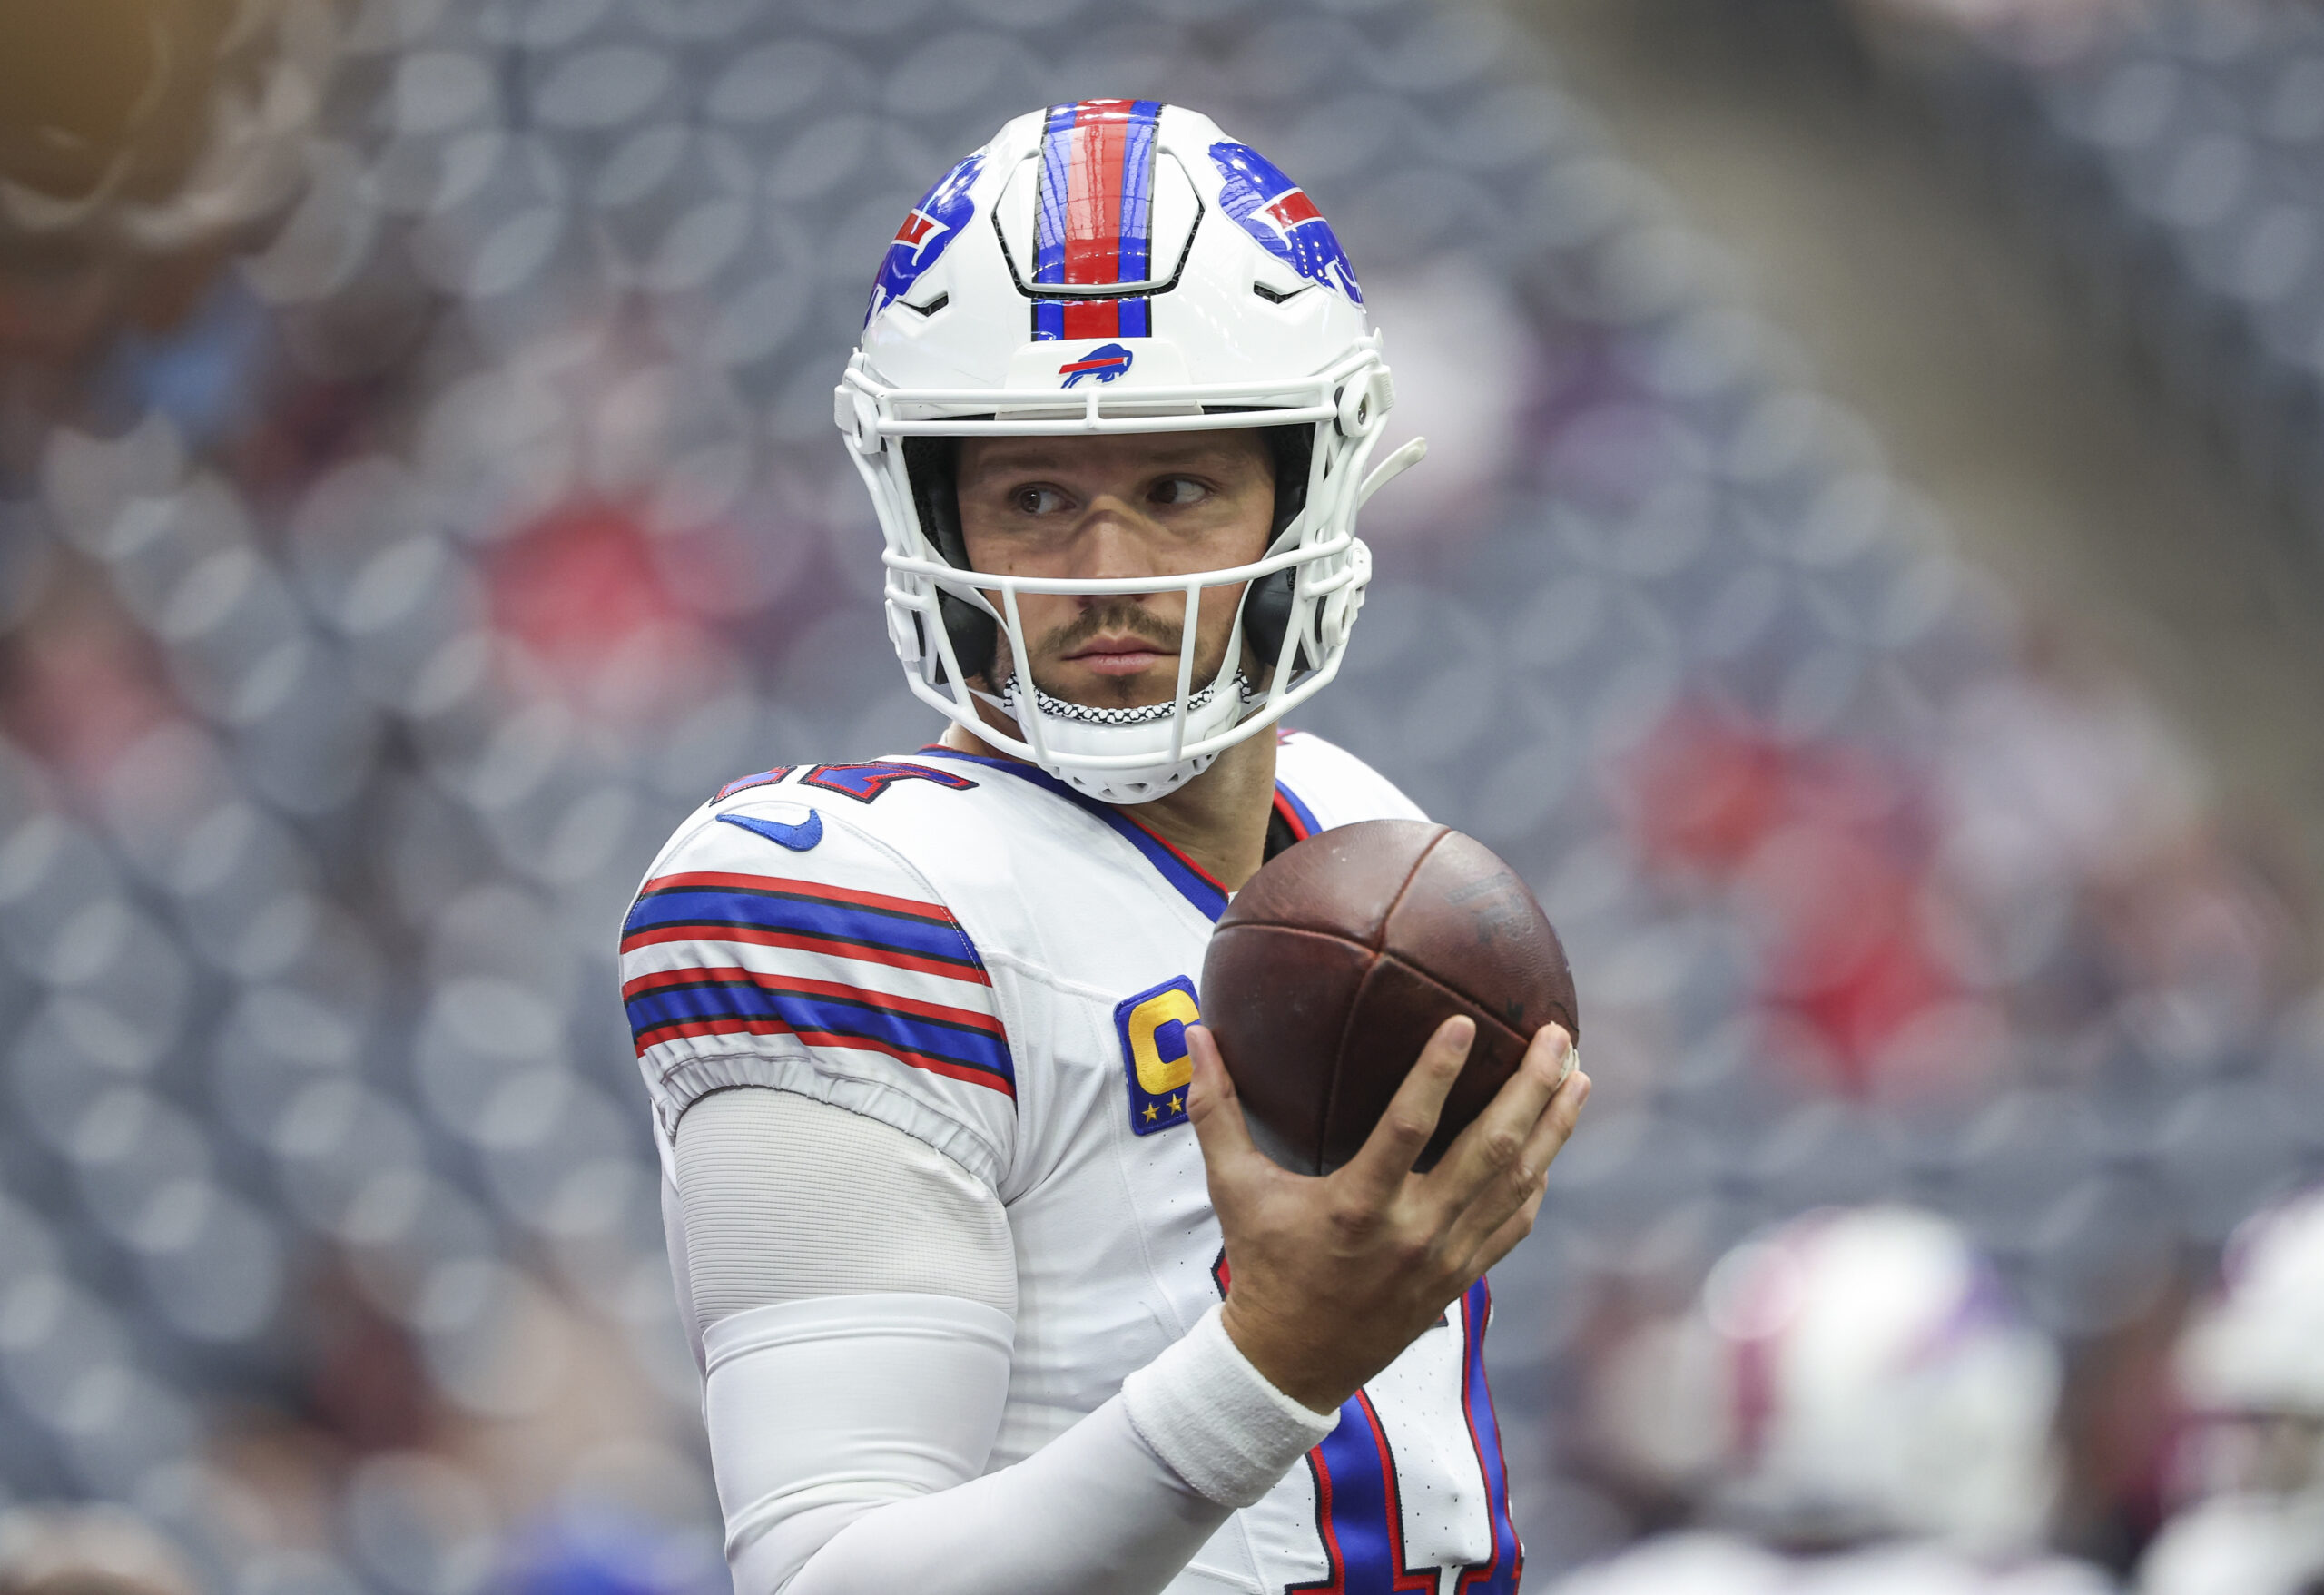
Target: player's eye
<point x="1179" y="490"/>
<point x="1038" y="501"/>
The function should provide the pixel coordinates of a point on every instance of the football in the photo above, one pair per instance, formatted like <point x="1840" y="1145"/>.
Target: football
<point x="1334" y="964"/>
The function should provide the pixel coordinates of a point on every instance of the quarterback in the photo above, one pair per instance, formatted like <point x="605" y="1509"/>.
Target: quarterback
<point x="990" y="1288"/>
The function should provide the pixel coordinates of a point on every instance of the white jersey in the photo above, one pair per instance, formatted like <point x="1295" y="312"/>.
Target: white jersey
<point x="1702" y="1563"/>
<point x="967" y="950"/>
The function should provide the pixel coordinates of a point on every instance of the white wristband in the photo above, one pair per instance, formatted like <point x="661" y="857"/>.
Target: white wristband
<point x="1216" y="1419"/>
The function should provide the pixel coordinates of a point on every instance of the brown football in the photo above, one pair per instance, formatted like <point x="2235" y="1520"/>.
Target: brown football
<point x="1335" y="963"/>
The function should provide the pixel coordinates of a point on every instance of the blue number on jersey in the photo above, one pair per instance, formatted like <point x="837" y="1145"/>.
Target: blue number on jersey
<point x="1502" y="1575"/>
<point x="1358" y="1512"/>
<point x="863" y="782"/>
<point x="1359" y="1516"/>
<point x="764" y="778"/>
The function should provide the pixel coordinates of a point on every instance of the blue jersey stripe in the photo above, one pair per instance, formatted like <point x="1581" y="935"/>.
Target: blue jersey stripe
<point x="675" y="999"/>
<point x="1301" y="812"/>
<point x="708" y="1001"/>
<point x="864" y="927"/>
<point x="1500" y="1575"/>
<point x="1192" y="884"/>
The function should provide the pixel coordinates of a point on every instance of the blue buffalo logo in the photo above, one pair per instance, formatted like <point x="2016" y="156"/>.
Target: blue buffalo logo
<point x="1278" y="212"/>
<point x="926" y="234"/>
<point x="1105" y="363"/>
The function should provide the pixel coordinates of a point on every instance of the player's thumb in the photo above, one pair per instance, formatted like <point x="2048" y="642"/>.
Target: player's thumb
<point x="1216" y="1112"/>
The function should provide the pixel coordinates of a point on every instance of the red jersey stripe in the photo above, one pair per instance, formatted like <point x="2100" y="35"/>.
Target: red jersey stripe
<point x="815" y="890"/>
<point x="798" y="942"/>
<point x="1175" y="852"/>
<point x="762" y="1026"/>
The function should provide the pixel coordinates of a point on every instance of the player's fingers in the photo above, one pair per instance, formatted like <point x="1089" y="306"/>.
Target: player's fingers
<point x="1495" y="1140"/>
<point x="1503" y="1240"/>
<point x="1228" y="1149"/>
<point x="1386" y="1156"/>
<point x="1519" y="1188"/>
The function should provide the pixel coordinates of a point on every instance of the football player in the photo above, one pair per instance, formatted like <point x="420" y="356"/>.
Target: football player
<point x="991" y="1289"/>
<point x="1856" y="1405"/>
<point x="2251" y="1369"/>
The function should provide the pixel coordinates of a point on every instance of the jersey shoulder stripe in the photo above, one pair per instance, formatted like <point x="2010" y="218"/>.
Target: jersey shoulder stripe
<point x="673" y="980"/>
<point x="836" y="971"/>
<point x="714" y="904"/>
<point x="713" y="1001"/>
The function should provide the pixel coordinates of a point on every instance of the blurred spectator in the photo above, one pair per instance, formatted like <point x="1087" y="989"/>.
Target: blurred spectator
<point x="143" y="143"/>
<point x="57" y="1550"/>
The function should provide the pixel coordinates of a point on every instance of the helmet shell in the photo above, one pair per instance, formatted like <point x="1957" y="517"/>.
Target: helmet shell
<point x="2258" y="1346"/>
<point x="1118" y="266"/>
<point x="1227" y="299"/>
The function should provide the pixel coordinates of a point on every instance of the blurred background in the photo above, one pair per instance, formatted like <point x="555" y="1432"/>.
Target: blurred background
<point x="1866" y="576"/>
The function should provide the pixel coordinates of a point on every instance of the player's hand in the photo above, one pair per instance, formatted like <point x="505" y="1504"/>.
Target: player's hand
<point x="1334" y="1277"/>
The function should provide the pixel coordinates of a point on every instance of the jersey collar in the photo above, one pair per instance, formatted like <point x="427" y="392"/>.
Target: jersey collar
<point x="1297" y="815"/>
<point x="1197" y="885"/>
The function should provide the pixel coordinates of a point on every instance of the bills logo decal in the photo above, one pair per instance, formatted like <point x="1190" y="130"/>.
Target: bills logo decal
<point x="1105" y="363"/>
<point x="1278" y="212"/>
<point x="926" y="234"/>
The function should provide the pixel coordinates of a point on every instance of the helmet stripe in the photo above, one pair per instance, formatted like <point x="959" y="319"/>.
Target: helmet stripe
<point x="1134" y="216"/>
<point x="1093" y="211"/>
<point x="1055" y="194"/>
<point x="1095" y="214"/>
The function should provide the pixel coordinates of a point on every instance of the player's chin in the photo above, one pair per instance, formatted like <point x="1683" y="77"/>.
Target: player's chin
<point x="1074" y="683"/>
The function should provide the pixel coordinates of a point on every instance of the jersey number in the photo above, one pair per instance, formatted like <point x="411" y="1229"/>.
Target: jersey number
<point x="863" y="782"/>
<point x="764" y="778"/>
<point x="1359" y="1515"/>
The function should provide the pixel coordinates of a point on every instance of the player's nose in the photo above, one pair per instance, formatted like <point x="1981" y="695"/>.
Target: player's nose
<point x="1115" y="541"/>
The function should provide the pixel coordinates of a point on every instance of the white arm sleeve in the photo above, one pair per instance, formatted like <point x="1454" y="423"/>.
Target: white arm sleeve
<point x="782" y="1198"/>
<point x="848" y="1427"/>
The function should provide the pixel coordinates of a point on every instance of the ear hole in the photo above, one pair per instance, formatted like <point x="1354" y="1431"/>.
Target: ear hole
<point x="1289" y="448"/>
<point x="1267" y="613"/>
<point x="975" y="635"/>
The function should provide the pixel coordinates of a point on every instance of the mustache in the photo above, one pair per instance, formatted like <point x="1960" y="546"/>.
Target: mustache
<point x="1121" y="615"/>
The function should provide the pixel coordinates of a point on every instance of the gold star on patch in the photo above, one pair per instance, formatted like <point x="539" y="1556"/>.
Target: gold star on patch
<point x="1176" y="1105"/>
<point x="1150" y="1115"/>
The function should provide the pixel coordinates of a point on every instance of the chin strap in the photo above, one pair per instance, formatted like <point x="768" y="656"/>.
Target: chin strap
<point x="1388" y="469"/>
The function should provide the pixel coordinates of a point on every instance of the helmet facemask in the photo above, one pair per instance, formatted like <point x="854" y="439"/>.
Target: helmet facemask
<point x="1218" y="299"/>
<point x="1297" y="604"/>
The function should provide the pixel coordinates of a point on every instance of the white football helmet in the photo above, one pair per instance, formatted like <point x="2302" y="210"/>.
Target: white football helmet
<point x="1854" y="1375"/>
<point x="2251" y="1370"/>
<point x="1119" y="266"/>
<point x="2258" y="1346"/>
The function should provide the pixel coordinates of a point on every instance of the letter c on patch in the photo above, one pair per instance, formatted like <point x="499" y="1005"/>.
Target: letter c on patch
<point x="1153" y="1028"/>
